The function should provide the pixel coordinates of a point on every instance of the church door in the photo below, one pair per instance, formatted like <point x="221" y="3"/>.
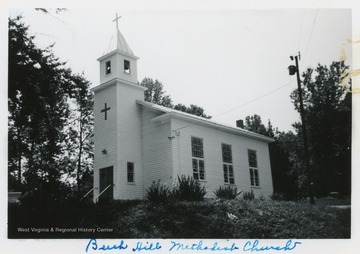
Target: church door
<point x="106" y="179"/>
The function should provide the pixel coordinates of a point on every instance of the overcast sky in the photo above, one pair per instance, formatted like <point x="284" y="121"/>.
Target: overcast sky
<point x="227" y="61"/>
<point x="208" y="53"/>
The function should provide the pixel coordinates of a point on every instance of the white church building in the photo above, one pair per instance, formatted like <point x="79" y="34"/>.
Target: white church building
<point x="137" y="142"/>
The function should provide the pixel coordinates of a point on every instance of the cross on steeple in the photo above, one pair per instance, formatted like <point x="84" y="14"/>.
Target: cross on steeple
<point x="116" y="20"/>
<point x="105" y="110"/>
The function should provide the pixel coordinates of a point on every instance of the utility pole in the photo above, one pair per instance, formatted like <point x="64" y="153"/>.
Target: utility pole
<point x="292" y="70"/>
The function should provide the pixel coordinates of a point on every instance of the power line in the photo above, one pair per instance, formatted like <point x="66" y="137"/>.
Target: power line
<point x="225" y="112"/>
<point x="244" y="104"/>
<point x="312" y="29"/>
<point x="253" y="100"/>
<point x="301" y="29"/>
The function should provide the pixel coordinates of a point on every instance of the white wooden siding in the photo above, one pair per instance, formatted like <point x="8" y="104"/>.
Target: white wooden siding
<point x="105" y="132"/>
<point x="161" y="149"/>
<point x="120" y="135"/>
<point x="117" y="68"/>
<point x="156" y="150"/>
<point x="212" y="140"/>
<point x="129" y="142"/>
<point x="106" y="77"/>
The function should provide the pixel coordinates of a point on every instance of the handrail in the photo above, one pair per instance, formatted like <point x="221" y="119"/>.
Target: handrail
<point x="97" y="197"/>
<point x="87" y="193"/>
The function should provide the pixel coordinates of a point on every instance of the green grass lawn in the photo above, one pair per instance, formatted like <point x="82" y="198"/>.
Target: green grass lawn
<point x="211" y="218"/>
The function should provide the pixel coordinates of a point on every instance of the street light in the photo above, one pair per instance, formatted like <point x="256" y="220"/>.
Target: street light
<point x="292" y="70"/>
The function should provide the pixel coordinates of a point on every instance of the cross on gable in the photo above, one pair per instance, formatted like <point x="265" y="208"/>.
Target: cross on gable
<point x="116" y="20"/>
<point x="106" y="109"/>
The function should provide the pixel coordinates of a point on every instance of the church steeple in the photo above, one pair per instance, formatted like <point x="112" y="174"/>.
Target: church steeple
<point x="118" y="41"/>
<point x="118" y="61"/>
<point x="117" y="123"/>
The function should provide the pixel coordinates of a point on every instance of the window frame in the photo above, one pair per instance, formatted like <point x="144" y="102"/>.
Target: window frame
<point x="108" y="67"/>
<point x="197" y="158"/>
<point x="229" y="177"/>
<point x="253" y="168"/>
<point x="228" y="168"/>
<point x="129" y="173"/>
<point x="127" y="64"/>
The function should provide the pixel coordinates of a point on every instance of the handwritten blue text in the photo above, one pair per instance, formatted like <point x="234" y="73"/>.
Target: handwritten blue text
<point x="94" y="246"/>
<point x="253" y="246"/>
<point x="199" y="246"/>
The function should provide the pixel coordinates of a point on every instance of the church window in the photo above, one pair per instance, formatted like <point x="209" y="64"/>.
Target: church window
<point x="254" y="171"/>
<point x="227" y="164"/>
<point x="108" y="67"/>
<point x="130" y="172"/>
<point x="197" y="147"/>
<point x="127" y="66"/>
<point x="198" y="158"/>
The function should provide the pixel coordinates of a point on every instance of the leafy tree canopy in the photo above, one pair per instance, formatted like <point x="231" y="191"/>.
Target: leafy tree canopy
<point x="254" y="124"/>
<point x="327" y="108"/>
<point x="43" y="122"/>
<point x="193" y="109"/>
<point x="155" y="94"/>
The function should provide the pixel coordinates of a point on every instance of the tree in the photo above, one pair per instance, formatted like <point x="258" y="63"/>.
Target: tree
<point x="281" y="152"/>
<point x="79" y="146"/>
<point x="254" y="124"/>
<point x="19" y="69"/>
<point x="287" y="168"/>
<point x="155" y="94"/>
<point x="270" y="130"/>
<point x="43" y="98"/>
<point x="37" y="106"/>
<point x="327" y="108"/>
<point x="193" y="109"/>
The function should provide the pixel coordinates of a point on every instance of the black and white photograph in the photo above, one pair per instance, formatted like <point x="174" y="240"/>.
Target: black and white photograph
<point x="225" y="129"/>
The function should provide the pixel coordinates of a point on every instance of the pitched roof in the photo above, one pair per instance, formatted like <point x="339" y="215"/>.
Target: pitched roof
<point x="118" y="42"/>
<point x="169" y="113"/>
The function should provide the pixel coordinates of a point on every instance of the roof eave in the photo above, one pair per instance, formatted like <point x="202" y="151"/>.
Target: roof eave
<point x="212" y="124"/>
<point x="187" y="117"/>
<point x="117" y="51"/>
<point x="115" y="81"/>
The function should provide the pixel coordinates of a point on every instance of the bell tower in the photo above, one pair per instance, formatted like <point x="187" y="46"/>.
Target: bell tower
<point x="117" y="124"/>
<point x="120" y="62"/>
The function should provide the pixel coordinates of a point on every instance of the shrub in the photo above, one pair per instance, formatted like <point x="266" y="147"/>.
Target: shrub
<point x="249" y="195"/>
<point x="261" y="197"/>
<point x="277" y="196"/>
<point x="228" y="192"/>
<point x="157" y="192"/>
<point x="188" y="189"/>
